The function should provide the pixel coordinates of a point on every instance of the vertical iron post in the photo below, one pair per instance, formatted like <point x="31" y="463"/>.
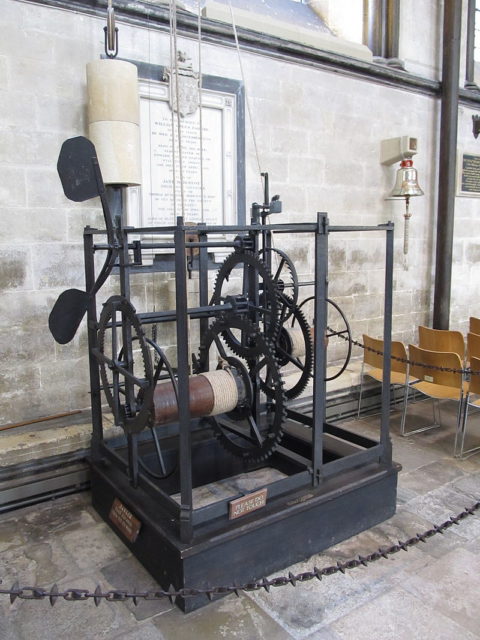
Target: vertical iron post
<point x="185" y="440"/>
<point x="320" y="316"/>
<point x="96" y="404"/>
<point x="452" y="18"/>
<point x="115" y="197"/>
<point x="203" y="277"/>
<point x="385" y="440"/>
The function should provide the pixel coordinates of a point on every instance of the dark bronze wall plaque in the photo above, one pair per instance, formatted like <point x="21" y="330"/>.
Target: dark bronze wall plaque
<point x="247" y="504"/>
<point x="124" y="520"/>
<point x="470" y="175"/>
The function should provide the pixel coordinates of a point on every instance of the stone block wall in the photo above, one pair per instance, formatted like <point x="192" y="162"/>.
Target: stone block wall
<point x="318" y="133"/>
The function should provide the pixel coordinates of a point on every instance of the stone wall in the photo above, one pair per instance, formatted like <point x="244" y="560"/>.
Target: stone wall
<point x="318" y="133"/>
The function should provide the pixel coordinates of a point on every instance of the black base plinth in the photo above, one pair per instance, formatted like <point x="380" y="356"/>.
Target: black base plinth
<point x="289" y="529"/>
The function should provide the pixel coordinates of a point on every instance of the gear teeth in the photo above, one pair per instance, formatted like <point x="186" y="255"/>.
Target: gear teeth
<point x="293" y="273"/>
<point x="307" y="373"/>
<point x="265" y="346"/>
<point x="247" y="258"/>
<point x="125" y="307"/>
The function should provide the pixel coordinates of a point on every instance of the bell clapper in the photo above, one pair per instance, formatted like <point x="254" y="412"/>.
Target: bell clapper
<point x="407" y="215"/>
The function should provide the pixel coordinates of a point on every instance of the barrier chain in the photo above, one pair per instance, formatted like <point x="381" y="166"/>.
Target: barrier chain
<point x="119" y="595"/>
<point x="465" y="372"/>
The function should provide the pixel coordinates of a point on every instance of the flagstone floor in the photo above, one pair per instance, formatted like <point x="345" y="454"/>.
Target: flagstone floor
<point x="431" y="591"/>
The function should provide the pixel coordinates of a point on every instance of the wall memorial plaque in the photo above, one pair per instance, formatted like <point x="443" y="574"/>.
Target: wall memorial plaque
<point x="469" y="175"/>
<point x="220" y="161"/>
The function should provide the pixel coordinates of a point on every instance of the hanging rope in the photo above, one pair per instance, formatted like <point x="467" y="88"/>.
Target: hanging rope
<point x="200" y="108"/>
<point x="176" y="100"/>
<point x="172" y="58"/>
<point x="247" y="100"/>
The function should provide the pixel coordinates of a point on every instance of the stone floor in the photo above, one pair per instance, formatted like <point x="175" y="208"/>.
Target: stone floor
<point x="430" y="592"/>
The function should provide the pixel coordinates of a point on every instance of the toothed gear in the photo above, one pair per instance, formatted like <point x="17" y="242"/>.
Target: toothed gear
<point x="284" y="276"/>
<point x="345" y="333"/>
<point x="284" y="357"/>
<point x="240" y="432"/>
<point x="118" y="318"/>
<point x="268" y="300"/>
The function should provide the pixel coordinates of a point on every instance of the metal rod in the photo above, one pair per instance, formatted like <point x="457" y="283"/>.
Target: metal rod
<point x="95" y="393"/>
<point x="385" y="440"/>
<point x="35" y="420"/>
<point x="170" y="245"/>
<point x="298" y="227"/>
<point x="203" y="279"/>
<point x="452" y="18"/>
<point x="185" y="439"/>
<point x="320" y="315"/>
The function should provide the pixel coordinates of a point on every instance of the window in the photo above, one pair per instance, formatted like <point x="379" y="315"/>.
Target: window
<point x="473" y="44"/>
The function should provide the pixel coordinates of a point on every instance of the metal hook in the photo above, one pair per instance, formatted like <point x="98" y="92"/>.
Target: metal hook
<point x="111" y="33"/>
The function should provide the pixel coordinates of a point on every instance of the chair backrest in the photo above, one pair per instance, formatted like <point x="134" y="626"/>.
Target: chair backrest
<point x="474" y="325"/>
<point x="441" y="340"/>
<point x="473" y="345"/>
<point x="376" y="360"/>
<point x="475" y="376"/>
<point x="435" y="359"/>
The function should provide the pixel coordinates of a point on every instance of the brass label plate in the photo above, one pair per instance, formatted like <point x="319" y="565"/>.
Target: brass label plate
<point x="246" y="504"/>
<point x="124" y="520"/>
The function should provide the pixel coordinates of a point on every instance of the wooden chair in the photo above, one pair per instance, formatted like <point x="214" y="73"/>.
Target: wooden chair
<point x="374" y="365"/>
<point x="474" y="325"/>
<point x="474" y="393"/>
<point x="441" y="340"/>
<point x="473" y="346"/>
<point x="438" y="385"/>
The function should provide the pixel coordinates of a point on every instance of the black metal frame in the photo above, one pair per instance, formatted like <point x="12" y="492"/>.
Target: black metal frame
<point x="331" y="451"/>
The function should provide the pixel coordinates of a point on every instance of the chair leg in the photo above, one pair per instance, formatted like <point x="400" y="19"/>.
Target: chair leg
<point x="361" y="391"/>
<point x="460" y="433"/>
<point x="404" y="412"/>
<point x="404" y="433"/>
<point x="459" y="447"/>
<point x="437" y="418"/>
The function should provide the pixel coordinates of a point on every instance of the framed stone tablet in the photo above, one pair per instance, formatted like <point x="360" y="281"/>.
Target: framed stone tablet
<point x="468" y="182"/>
<point x="179" y="165"/>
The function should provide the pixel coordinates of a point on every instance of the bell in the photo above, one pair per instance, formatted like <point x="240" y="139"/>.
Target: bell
<point x="406" y="183"/>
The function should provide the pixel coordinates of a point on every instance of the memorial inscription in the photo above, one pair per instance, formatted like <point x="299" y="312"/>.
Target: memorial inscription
<point x="469" y="182"/>
<point x="183" y="172"/>
<point x="163" y="170"/>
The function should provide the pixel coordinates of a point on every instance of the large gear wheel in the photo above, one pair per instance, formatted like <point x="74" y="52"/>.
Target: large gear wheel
<point x="268" y="303"/>
<point x="285" y="278"/>
<point x="286" y="347"/>
<point x="337" y="326"/>
<point x="245" y="433"/>
<point x="128" y="385"/>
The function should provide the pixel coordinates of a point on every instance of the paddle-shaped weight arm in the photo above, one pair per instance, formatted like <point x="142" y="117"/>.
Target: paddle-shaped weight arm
<point x="81" y="180"/>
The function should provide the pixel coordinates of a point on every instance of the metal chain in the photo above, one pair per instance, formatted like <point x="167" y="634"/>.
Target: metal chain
<point x="120" y="595"/>
<point x="466" y="371"/>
